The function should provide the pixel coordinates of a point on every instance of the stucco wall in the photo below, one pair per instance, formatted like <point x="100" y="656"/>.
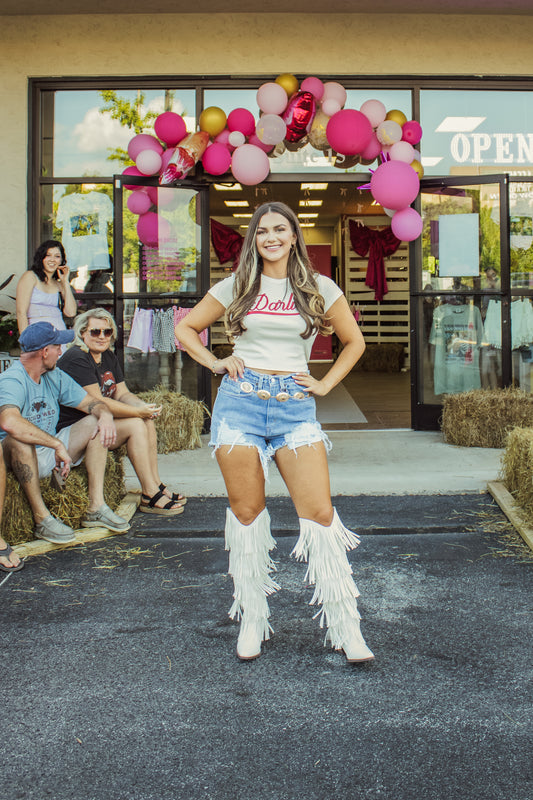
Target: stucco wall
<point x="232" y="44"/>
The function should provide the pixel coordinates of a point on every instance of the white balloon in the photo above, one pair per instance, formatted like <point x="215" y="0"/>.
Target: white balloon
<point x="403" y="151"/>
<point x="148" y="162"/>
<point x="389" y="132"/>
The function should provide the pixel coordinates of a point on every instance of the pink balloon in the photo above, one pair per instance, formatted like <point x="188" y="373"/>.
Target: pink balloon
<point x="403" y="151"/>
<point x="139" y="202"/>
<point x="135" y="172"/>
<point x="313" y="85"/>
<point x="152" y="229"/>
<point x="240" y="119"/>
<point x="143" y="141"/>
<point x="349" y="132"/>
<point x="412" y="132"/>
<point x="250" y="165"/>
<point x="407" y="224"/>
<point x="334" y="91"/>
<point x="148" y="162"/>
<point x="272" y="98"/>
<point x="254" y="139"/>
<point x="375" y="111"/>
<point x="330" y="106"/>
<point x="372" y="150"/>
<point x="217" y="159"/>
<point x="394" y="184"/>
<point x="151" y="191"/>
<point x="223" y="138"/>
<point x="165" y="158"/>
<point x="170" y="127"/>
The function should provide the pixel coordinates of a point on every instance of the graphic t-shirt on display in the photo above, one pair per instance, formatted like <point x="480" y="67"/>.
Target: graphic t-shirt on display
<point x="272" y="337"/>
<point x="82" y="368"/>
<point x="457" y="334"/>
<point x="83" y="219"/>
<point x="39" y="402"/>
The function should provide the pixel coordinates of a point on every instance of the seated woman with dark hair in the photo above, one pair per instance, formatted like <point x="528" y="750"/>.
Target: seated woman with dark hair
<point x="44" y="293"/>
<point x="93" y="365"/>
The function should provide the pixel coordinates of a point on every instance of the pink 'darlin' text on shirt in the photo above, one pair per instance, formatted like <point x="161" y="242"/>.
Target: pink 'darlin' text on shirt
<point x="263" y="305"/>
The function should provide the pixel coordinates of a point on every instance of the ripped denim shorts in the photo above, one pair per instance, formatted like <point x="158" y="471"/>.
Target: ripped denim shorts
<point x="267" y="412"/>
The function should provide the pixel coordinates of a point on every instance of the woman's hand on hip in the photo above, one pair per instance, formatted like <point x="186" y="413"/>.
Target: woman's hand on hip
<point x="233" y="365"/>
<point x="310" y="384"/>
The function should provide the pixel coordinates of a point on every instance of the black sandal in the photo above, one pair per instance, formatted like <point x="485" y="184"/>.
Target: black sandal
<point x="148" y="505"/>
<point x="176" y="498"/>
<point x="5" y="553"/>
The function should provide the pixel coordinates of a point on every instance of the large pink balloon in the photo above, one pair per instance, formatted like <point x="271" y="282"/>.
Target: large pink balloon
<point x="170" y="127"/>
<point x="313" y="85"/>
<point x="217" y="159"/>
<point x="148" y="162"/>
<point x="135" y="172"/>
<point x="139" y="202"/>
<point x="407" y="224"/>
<point x="250" y="164"/>
<point x="272" y="98"/>
<point x="349" y="132"/>
<point x="152" y="229"/>
<point x="143" y="141"/>
<point x="394" y="184"/>
<point x="240" y="119"/>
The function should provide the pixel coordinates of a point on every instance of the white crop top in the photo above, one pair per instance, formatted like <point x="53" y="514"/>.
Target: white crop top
<point x="272" y="338"/>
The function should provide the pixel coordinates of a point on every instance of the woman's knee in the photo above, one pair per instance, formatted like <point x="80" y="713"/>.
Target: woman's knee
<point x="246" y="513"/>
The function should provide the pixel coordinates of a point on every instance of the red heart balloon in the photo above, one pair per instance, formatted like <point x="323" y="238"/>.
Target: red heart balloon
<point x="299" y="115"/>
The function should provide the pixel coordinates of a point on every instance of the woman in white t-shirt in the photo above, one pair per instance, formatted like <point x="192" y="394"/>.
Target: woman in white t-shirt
<point x="274" y="306"/>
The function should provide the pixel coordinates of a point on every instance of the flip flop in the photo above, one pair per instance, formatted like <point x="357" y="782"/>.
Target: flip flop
<point x="5" y="553"/>
<point x="148" y="505"/>
<point x="176" y="497"/>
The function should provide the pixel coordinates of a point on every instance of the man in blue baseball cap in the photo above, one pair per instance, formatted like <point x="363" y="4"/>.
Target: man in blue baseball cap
<point x="31" y="391"/>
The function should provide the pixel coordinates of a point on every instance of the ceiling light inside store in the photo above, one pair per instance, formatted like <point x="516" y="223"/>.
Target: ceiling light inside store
<point x="236" y="203"/>
<point x="308" y="215"/>
<point x="459" y="124"/>
<point x="228" y="187"/>
<point x="314" y="187"/>
<point x="243" y="216"/>
<point x="307" y="224"/>
<point x="311" y="203"/>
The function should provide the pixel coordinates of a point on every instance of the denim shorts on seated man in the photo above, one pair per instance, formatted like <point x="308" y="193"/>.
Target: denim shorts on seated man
<point x="46" y="456"/>
<point x="267" y="412"/>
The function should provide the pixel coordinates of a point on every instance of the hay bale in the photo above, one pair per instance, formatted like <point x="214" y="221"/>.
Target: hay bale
<point x="69" y="505"/>
<point x="181" y="421"/>
<point x="484" y="417"/>
<point x="382" y="357"/>
<point x="517" y="468"/>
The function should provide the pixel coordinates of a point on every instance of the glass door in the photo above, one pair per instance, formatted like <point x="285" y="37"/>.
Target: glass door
<point x="459" y="293"/>
<point x="161" y="270"/>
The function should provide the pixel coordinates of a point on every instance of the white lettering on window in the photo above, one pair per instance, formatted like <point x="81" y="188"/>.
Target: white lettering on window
<point x="481" y="145"/>
<point x="503" y="141"/>
<point x="460" y="148"/>
<point x="525" y="149"/>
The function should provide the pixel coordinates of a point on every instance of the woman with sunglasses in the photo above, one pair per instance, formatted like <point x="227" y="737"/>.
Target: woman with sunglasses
<point x="44" y="293"/>
<point x="93" y="365"/>
<point x="274" y="306"/>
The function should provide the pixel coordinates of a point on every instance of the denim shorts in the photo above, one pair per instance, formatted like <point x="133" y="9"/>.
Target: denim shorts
<point x="267" y="412"/>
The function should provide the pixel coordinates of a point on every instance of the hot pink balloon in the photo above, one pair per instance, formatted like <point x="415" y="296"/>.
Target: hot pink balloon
<point x="143" y="141"/>
<point x="412" y="132"/>
<point x="223" y="138"/>
<point x="272" y="98"/>
<point x="148" y="162"/>
<point x="313" y="85"/>
<point x="135" y="172"/>
<point x="299" y="115"/>
<point x="139" y="202"/>
<point x="217" y="159"/>
<point x="250" y="165"/>
<point x="152" y="229"/>
<point x="375" y="111"/>
<point x="372" y="150"/>
<point x="170" y="127"/>
<point x="152" y="193"/>
<point x="240" y="119"/>
<point x="407" y="224"/>
<point x="349" y="132"/>
<point x="334" y="91"/>
<point x="394" y="184"/>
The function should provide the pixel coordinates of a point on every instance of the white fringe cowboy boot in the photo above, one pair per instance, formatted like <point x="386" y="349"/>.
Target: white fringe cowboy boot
<point x="329" y="570"/>
<point x="250" y="566"/>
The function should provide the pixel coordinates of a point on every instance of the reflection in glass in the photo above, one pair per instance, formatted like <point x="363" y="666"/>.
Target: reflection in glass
<point x="521" y="233"/>
<point x="522" y="342"/>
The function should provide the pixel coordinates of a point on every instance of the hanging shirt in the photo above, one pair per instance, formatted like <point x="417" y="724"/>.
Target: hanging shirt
<point x="83" y="219"/>
<point x="272" y="338"/>
<point x="457" y="334"/>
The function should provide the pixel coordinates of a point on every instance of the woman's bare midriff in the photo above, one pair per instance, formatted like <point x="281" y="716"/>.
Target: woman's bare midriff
<point x="270" y="371"/>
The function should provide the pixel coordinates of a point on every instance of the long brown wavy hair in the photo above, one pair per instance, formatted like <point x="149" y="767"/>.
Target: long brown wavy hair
<point x="301" y="276"/>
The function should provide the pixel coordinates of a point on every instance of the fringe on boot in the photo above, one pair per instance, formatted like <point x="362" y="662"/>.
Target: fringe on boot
<point x="250" y="566"/>
<point x="329" y="571"/>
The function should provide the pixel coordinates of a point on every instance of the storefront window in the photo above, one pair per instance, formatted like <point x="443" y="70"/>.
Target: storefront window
<point x="476" y="132"/>
<point x="521" y="233"/>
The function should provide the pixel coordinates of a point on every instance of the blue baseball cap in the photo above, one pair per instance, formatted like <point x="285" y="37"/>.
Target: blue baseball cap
<point x="42" y="334"/>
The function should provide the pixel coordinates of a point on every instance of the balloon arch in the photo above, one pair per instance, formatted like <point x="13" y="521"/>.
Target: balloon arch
<point x="291" y="116"/>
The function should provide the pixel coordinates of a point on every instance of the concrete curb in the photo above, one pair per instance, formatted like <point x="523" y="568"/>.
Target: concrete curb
<point x="37" y="547"/>
<point x="512" y="510"/>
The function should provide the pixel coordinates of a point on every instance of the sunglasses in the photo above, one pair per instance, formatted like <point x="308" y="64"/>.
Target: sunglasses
<point x="96" y="332"/>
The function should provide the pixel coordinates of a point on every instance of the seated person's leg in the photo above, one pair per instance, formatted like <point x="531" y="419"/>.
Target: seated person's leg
<point x="9" y="560"/>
